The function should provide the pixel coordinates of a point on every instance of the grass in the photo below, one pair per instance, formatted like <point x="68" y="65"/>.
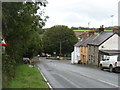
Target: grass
<point x="89" y="30"/>
<point x="80" y="30"/>
<point x="27" y="77"/>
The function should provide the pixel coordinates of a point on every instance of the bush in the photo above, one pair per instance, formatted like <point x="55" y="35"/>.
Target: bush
<point x="8" y="69"/>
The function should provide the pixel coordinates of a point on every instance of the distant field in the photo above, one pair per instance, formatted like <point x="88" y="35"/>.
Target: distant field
<point x="89" y="30"/>
<point x="108" y="30"/>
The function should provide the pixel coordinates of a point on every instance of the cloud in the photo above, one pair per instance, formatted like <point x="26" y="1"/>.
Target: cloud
<point x="80" y="12"/>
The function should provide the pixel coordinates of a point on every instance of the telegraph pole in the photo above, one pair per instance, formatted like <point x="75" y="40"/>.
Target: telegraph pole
<point x="60" y="48"/>
<point x="88" y="24"/>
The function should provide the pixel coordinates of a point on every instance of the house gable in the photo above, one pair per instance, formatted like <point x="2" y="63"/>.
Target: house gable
<point x="111" y="44"/>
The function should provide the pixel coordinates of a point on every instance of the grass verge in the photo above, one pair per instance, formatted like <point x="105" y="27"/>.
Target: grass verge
<point x="27" y="77"/>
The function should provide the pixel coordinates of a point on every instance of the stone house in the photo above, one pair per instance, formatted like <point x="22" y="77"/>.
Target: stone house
<point x="103" y="41"/>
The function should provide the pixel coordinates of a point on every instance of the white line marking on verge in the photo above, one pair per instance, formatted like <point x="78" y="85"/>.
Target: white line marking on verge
<point x="45" y="79"/>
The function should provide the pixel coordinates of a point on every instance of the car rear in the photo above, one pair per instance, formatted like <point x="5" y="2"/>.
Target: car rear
<point x="26" y="60"/>
<point x="117" y="64"/>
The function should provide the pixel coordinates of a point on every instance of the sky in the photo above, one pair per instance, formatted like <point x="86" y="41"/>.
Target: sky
<point x="84" y="13"/>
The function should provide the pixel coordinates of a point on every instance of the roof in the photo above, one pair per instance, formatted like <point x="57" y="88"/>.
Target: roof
<point x="79" y="43"/>
<point x="88" y="40"/>
<point x="100" y="38"/>
<point x="110" y="52"/>
<point x="95" y="39"/>
<point x="85" y="41"/>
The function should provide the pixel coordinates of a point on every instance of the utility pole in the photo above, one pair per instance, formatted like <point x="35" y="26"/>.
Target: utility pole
<point x="60" y="48"/>
<point x="88" y="24"/>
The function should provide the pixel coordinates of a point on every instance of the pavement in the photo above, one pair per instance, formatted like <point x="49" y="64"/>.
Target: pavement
<point x="63" y="74"/>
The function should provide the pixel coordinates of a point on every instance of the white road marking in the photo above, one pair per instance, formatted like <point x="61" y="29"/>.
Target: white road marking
<point x="68" y="80"/>
<point x="99" y="80"/>
<point x="45" y="79"/>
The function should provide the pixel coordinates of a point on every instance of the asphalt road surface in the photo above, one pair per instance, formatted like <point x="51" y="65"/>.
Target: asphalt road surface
<point x="63" y="74"/>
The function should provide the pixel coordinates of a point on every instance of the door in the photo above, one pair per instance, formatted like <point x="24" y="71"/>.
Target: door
<point x="107" y="59"/>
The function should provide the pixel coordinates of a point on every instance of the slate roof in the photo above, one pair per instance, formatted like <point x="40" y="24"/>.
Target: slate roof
<point x="80" y="42"/>
<point x="100" y="38"/>
<point x="85" y="41"/>
<point x="88" y="40"/>
<point x="95" y="39"/>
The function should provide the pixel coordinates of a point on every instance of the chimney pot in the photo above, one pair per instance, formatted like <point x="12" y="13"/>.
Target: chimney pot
<point x="84" y="35"/>
<point x="101" y="29"/>
<point x="115" y="29"/>
<point x="91" y="32"/>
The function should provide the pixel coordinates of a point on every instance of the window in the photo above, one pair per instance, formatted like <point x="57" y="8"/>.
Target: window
<point x="108" y="57"/>
<point x="94" y="48"/>
<point x="81" y="49"/>
<point x="85" y="49"/>
<point x="89" y="57"/>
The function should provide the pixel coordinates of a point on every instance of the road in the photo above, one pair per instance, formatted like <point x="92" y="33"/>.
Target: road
<point x="63" y="74"/>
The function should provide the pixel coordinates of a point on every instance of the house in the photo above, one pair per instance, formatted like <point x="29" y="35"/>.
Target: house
<point x="75" y="55"/>
<point x="102" y="42"/>
<point x="80" y="52"/>
<point x="84" y="49"/>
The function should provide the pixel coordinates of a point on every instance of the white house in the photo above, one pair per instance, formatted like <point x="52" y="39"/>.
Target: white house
<point x="110" y="47"/>
<point x="113" y="43"/>
<point x="75" y="55"/>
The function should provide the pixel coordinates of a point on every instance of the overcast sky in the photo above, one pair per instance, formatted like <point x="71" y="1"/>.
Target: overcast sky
<point x="81" y="12"/>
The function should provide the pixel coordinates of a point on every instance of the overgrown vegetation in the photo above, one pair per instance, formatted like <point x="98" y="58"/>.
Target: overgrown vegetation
<point x="20" y="25"/>
<point x="27" y="78"/>
<point x="119" y="30"/>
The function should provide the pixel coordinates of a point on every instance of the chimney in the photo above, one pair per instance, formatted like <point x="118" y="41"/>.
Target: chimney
<point x="101" y="29"/>
<point x="115" y="29"/>
<point x="84" y="35"/>
<point x="91" y="32"/>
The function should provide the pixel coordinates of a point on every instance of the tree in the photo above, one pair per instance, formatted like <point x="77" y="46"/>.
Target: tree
<point x="34" y="47"/>
<point x="59" y="39"/>
<point x="20" y="25"/>
<point x="20" y="22"/>
<point x="119" y="30"/>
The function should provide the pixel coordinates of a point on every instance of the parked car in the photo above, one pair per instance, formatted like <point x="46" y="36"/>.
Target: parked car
<point x="58" y="57"/>
<point x="110" y="62"/>
<point x="43" y="55"/>
<point x="26" y="60"/>
<point x="48" y="55"/>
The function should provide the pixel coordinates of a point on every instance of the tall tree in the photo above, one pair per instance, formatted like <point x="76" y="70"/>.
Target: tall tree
<point x="20" y="21"/>
<point x="119" y="30"/>
<point x="59" y="39"/>
<point x="20" y="24"/>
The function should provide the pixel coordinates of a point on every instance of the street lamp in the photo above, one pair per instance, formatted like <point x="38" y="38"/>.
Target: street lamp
<point x="112" y="19"/>
<point x="88" y="24"/>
